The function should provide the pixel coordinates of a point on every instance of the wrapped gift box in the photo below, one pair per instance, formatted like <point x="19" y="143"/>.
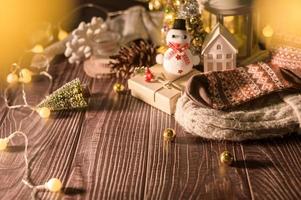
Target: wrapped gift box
<point x="161" y="93"/>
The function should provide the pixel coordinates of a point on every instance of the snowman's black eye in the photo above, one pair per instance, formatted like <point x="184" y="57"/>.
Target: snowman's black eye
<point x="185" y="36"/>
<point x="173" y="36"/>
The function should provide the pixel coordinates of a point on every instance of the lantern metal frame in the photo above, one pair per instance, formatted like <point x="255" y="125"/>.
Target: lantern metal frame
<point x="243" y="10"/>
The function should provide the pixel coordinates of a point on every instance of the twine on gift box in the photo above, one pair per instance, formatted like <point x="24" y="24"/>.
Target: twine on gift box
<point x="167" y="84"/>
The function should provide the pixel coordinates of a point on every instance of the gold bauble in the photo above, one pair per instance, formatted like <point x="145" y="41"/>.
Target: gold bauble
<point x="193" y="20"/>
<point x="118" y="88"/>
<point x="197" y="42"/>
<point x="169" y="134"/>
<point x="226" y="158"/>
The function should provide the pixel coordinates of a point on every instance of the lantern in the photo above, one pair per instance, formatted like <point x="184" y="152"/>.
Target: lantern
<point x="236" y="16"/>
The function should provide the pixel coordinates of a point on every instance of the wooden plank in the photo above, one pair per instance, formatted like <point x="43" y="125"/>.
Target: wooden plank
<point x="189" y="168"/>
<point x="273" y="168"/>
<point x="111" y="158"/>
<point x="115" y="150"/>
<point x="52" y="143"/>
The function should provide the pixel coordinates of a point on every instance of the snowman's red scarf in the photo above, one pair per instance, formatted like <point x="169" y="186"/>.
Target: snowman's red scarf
<point x="178" y="50"/>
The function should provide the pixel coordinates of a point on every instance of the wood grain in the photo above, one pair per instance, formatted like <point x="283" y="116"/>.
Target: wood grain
<point x="113" y="145"/>
<point x="189" y="168"/>
<point x="273" y="168"/>
<point x="52" y="142"/>
<point x="114" y="150"/>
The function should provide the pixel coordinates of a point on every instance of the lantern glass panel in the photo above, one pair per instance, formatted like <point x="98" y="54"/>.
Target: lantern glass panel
<point x="237" y="25"/>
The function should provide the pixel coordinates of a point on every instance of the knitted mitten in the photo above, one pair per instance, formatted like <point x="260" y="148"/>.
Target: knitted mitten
<point x="226" y="89"/>
<point x="289" y="61"/>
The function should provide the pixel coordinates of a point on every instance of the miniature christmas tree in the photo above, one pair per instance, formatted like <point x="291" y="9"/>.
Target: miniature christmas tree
<point x="170" y="9"/>
<point x="69" y="96"/>
<point x="190" y="11"/>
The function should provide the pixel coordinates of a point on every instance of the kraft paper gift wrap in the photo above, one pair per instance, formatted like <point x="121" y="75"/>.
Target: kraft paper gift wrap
<point x="162" y="94"/>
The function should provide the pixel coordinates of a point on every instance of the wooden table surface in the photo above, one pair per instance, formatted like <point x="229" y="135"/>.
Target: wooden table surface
<point x="114" y="150"/>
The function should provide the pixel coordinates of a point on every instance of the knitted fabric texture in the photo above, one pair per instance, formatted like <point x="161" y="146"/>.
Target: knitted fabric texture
<point x="289" y="61"/>
<point x="226" y="89"/>
<point x="274" y="116"/>
<point x="287" y="56"/>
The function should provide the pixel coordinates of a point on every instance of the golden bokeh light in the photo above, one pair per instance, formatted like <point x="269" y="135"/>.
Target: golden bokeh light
<point x="44" y="112"/>
<point x="62" y="34"/>
<point x="18" y="21"/>
<point x="279" y="20"/>
<point x="25" y="76"/>
<point x="267" y="31"/>
<point x="37" y="49"/>
<point x="54" y="185"/>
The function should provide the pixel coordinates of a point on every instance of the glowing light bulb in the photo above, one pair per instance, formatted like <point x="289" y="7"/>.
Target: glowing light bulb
<point x="169" y="17"/>
<point x="25" y="75"/>
<point x="62" y="34"/>
<point x="37" y="49"/>
<point x="44" y="112"/>
<point x="157" y="5"/>
<point x="54" y="185"/>
<point x="177" y="2"/>
<point x="268" y="31"/>
<point x="3" y="143"/>
<point x="12" y="78"/>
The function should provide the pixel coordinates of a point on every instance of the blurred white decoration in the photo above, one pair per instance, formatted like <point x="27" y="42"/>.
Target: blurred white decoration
<point x="91" y="39"/>
<point x="118" y="29"/>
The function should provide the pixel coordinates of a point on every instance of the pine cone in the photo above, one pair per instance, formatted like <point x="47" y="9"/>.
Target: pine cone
<point x="136" y="54"/>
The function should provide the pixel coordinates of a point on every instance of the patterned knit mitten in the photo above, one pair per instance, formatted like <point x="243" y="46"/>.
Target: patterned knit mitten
<point x="289" y="61"/>
<point x="226" y="89"/>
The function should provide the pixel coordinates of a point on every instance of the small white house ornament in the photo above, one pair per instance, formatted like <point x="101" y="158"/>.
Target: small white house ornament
<point x="178" y="59"/>
<point x="219" y="50"/>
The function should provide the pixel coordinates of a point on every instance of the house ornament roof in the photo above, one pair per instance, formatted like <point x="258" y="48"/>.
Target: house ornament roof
<point x="219" y="30"/>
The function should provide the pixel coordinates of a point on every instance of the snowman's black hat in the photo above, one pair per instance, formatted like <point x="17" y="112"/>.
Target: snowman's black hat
<point x="179" y="24"/>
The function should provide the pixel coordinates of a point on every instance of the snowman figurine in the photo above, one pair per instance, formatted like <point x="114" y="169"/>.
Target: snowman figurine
<point x="178" y="59"/>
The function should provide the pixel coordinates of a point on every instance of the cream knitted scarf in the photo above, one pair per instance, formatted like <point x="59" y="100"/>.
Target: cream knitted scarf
<point x="272" y="116"/>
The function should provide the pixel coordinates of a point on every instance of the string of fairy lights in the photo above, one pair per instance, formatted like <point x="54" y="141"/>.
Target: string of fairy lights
<point x="21" y="76"/>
